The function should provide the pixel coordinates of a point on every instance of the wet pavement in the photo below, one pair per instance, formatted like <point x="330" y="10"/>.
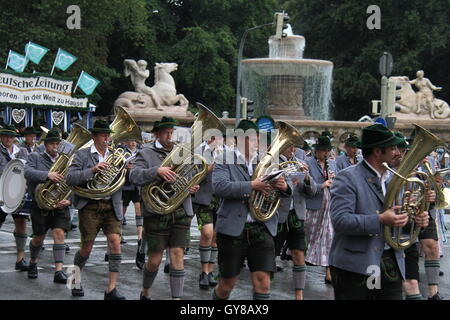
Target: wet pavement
<point x="15" y="285"/>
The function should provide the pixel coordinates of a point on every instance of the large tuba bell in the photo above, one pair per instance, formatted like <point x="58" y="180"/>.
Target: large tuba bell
<point x="109" y="181"/>
<point x="263" y="207"/>
<point x="49" y="194"/>
<point x="407" y="189"/>
<point x="164" y="197"/>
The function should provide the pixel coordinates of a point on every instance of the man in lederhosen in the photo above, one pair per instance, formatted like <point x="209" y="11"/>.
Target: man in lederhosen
<point x="36" y="172"/>
<point x="291" y="220"/>
<point x="162" y="231"/>
<point x="93" y="215"/>
<point x="9" y="151"/>
<point x="205" y="205"/>
<point x="359" y="249"/>
<point x="239" y="235"/>
<point x="131" y="193"/>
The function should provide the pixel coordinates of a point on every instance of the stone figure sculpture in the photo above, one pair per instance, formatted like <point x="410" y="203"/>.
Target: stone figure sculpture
<point x="162" y="96"/>
<point x="423" y="102"/>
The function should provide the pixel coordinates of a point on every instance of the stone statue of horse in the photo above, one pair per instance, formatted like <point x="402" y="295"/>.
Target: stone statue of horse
<point x="163" y="90"/>
<point x="165" y="85"/>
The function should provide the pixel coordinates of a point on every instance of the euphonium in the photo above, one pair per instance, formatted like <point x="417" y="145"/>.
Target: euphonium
<point x="49" y="194"/>
<point x="110" y="180"/>
<point x="408" y="190"/>
<point x="164" y="197"/>
<point x="263" y="207"/>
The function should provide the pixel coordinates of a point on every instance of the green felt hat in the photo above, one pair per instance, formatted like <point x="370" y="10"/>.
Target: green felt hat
<point x="8" y="130"/>
<point x="100" y="126"/>
<point x="30" y="130"/>
<point x="166" y="122"/>
<point x="403" y="144"/>
<point x="306" y="146"/>
<point x="247" y="125"/>
<point x="52" y="136"/>
<point x="378" y="136"/>
<point x="323" y="143"/>
<point x="352" y="141"/>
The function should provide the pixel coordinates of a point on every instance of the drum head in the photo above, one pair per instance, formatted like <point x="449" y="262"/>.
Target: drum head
<point x="12" y="186"/>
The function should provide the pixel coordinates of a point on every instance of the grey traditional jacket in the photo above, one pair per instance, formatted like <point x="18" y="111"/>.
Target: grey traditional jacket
<point x="146" y="164"/>
<point x="5" y="157"/>
<point x="343" y="162"/>
<point x="232" y="185"/>
<point x="205" y="194"/>
<point x="299" y="193"/>
<point x="80" y="172"/>
<point x="356" y="201"/>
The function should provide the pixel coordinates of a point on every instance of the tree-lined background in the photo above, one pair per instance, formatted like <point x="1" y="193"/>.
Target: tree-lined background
<point x="203" y="36"/>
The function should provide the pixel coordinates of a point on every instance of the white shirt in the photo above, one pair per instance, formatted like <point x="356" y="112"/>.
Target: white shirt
<point x="15" y="150"/>
<point x="53" y="159"/>
<point x="250" y="173"/>
<point x="100" y="157"/>
<point x="383" y="178"/>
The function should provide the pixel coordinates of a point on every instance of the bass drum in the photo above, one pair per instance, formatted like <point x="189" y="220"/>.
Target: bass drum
<point x="13" y="186"/>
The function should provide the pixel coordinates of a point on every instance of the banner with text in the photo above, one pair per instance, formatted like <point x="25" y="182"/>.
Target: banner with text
<point x="39" y="90"/>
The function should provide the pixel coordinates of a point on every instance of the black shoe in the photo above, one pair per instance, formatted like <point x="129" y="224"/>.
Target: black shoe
<point x="60" y="277"/>
<point x="73" y="227"/>
<point x="140" y="259"/>
<point x="186" y="251"/>
<point x="106" y="257"/>
<point x="32" y="271"/>
<point x="441" y="273"/>
<point x="22" y="265"/>
<point x="78" y="292"/>
<point x="124" y="221"/>
<point x="327" y="281"/>
<point x="67" y="248"/>
<point x="167" y="268"/>
<point x="141" y="297"/>
<point x="212" y="280"/>
<point x="437" y="296"/>
<point x="279" y="268"/>
<point x="114" y="295"/>
<point x="203" y="281"/>
<point x="122" y="241"/>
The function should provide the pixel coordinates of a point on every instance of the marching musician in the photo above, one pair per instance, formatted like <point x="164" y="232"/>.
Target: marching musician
<point x="429" y="242"/>
<point x="291" y="220"/>
<point x="9" y="151"/>
<point x="131" y="193"/>
<point x="93" y="215"/>
<point x="239" y="235"/>
<point x="205" y="205"/>
<point x="357" y="197"/>
<point x="36" y="172"/>
<point x="319" y="230"/>
<point x="29" y="133"/>
<point x="170" y="230"/>
<point x="350" y="157"/>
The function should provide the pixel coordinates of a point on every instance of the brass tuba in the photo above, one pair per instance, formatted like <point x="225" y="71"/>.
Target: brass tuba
<point x="107" y="182"/>
<point x="164" y="197"/>
<point x="408" y="187"/>
<point x="49" y="193"/>
<point x="263" y="207"/>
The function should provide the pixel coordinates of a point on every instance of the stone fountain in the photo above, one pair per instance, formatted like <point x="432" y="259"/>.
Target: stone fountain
<point x="287" y="86"/>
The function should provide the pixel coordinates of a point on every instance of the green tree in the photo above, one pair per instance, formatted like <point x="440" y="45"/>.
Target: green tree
<point x="415" y="32"/>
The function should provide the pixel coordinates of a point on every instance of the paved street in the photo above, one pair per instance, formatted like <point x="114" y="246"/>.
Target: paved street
<point x="15" y="285"/>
